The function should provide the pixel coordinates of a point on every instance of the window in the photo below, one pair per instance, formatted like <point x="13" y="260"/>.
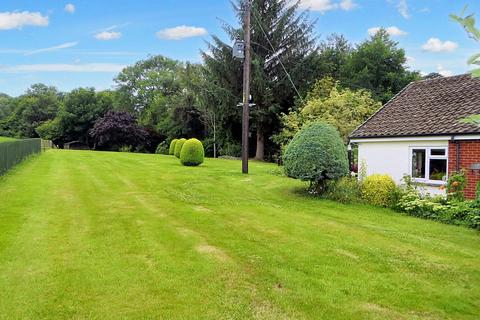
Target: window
<point x="429" y="164"/>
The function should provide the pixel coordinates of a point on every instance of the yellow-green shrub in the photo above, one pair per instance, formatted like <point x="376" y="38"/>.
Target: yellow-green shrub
<point x="192" y="153"/>
<point x="178" y="147"/>
<point x="171" y="150"/>
<point x="378" y="190"/>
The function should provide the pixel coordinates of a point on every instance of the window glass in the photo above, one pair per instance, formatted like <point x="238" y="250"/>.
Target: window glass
<point x="418" y="163"/>
<point x="438" y="169"/>
<point x="437" y="152"/>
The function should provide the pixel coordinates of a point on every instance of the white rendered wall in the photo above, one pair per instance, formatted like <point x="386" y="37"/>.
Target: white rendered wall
<point x="393" y="158"/>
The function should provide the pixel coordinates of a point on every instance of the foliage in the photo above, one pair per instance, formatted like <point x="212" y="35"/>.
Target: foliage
<point x="477" y="193"/>
<point x="178" y="147"/>
<point x="328" y="102"/>
<point x="456" y="184"/>
<point x="192" y="153"/>
<point x="148" y="82"/>
<point x="76" y="117"/>
<point x="378" y="65"/>
<point x="230" y="148"/>
<point x="378" y="190"/>
<point x="344" y="190"/>
<point x="125" y="148"/>
<point x="116" y="129"/>
<point x="468" y="22"/>
<point x="465" y="213"/>
<point x="7" y="105"/>
<point x="171" y="149"/>
<point x="39" y="104"/>
<point x="162" y="148"/>
<point x="290" y="40"/>
<point x="473" y="119"/>
<point x="164" y="93"/>
<point x="316" y="154"/>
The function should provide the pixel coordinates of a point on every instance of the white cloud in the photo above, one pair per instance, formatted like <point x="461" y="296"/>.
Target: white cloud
<point x="54" y="48"/>
<point x="393" y="31"/>
<point x="410" y="60"/>
<point x="16" y="20"/>
<point x="348" y="5"/>
<point x="86" y="67"/>
<point x="436" y="45"/>
<point x="443" y="71"/>
<point x="318" y="5"/>
<point x="70" y="8"/>
<point x="327" y="5"/>
<point x="108" y="35"/>
<point x="402" y="7"/>
<point x="181" y="32"/>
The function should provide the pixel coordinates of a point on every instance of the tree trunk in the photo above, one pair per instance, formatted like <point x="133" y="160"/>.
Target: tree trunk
<point x="260" y="153"/>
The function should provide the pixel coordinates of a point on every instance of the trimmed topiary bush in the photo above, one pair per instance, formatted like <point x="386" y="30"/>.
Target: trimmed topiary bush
<point x="178" y="147"/>
<point x="379" y="190"/>
<point x="192" y="153"/>
<point x="316" y="154"/>
<point x="171" y="150"/>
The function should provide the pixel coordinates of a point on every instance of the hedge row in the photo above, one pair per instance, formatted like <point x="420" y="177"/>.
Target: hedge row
<point x="190" y="152"/>
<point x="13" y="152"/>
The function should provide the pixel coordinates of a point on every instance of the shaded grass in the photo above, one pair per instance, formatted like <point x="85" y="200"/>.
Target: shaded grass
<point x="118" y="235"/>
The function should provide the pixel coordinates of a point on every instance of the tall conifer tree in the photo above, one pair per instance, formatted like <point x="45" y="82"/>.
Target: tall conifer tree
<point x="281" y="34"/>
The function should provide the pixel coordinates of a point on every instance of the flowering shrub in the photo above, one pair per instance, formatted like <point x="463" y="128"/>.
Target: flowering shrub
<point x="456" y="184"/>
<point x="449" y="211"/>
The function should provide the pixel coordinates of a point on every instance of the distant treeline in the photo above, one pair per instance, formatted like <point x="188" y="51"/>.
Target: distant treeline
<point x="160" y="98"/>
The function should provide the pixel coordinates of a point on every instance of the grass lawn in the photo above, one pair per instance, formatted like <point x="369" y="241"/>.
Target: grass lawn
<point x="5" y="139"/>
<point x="116" y="235"/>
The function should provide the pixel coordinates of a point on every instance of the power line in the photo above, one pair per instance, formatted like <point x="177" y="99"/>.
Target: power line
<point x="273" y="50"/>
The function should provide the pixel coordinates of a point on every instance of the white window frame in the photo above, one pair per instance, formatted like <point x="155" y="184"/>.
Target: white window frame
<point x="428" y="157"/>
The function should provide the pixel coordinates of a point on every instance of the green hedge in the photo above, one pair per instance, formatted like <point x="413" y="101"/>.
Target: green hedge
<point x="178" y="147"/>
<point x="13" y="152"/>
<point x="192" y="153"/>
<point x="171" y="150"/>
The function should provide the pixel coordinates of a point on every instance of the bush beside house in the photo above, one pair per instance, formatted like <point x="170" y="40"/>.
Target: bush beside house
<point x="316" y="154"/>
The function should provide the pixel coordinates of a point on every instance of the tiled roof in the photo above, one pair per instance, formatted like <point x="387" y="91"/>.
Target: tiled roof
<point x="427" y="107"/>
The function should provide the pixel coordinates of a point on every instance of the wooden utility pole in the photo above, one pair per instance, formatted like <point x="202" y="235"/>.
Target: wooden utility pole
<point x="246" y="86"/>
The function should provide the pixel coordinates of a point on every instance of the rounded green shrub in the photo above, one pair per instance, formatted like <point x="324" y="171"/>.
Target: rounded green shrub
<point x="171" y="150"/>
<point x="316" y="154"/>
<point x="178" y="147"/>
<point x="192" y="153"/>
<point x="379" y="190"/>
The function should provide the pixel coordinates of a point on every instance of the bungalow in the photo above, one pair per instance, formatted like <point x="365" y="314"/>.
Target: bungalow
<point x="420" y="133"/>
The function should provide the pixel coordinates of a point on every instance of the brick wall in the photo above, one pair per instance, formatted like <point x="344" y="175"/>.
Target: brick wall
<point x="469" y="154"/>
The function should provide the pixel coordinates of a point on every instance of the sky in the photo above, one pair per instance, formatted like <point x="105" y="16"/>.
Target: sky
<point x="86" y="43"/>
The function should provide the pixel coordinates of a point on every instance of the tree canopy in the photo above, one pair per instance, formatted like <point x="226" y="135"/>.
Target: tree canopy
<point x="328" y="102"/>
